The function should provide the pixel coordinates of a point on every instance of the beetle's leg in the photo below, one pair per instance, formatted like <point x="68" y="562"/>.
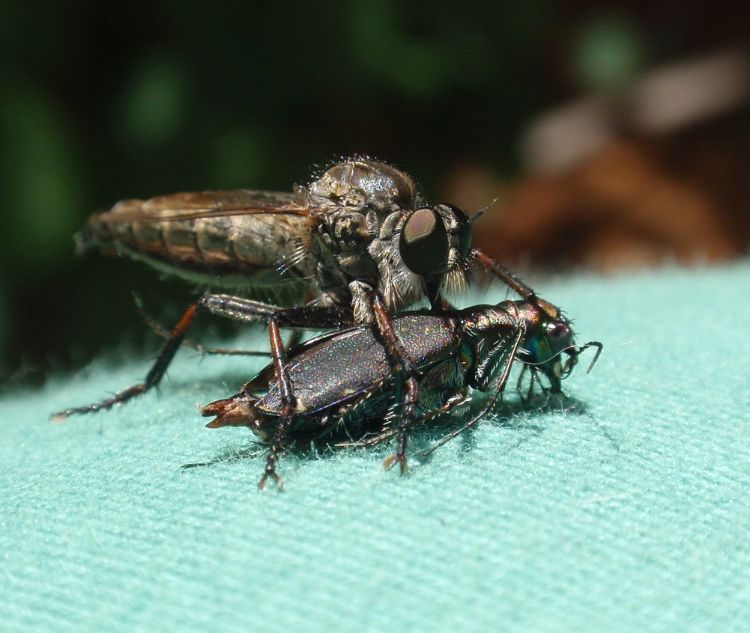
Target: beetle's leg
<point x="519" y="383"/>
<point x="527" y="397"/>
<point x="456" y="399"/>
<point x="502" y="381"/>
<point x="502" y="273"/>
<point x="532" y="384"/>
<point x="404" y="376"/>
<point x="287" y="405"/>
<point x="242" y="454"/>
<point x="236" y="308"/>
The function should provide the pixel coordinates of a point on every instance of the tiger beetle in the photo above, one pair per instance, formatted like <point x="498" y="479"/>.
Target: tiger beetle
<point x="344" y="384"/>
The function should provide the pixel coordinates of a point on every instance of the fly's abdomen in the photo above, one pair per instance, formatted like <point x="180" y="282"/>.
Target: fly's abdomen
<point x="245" y="249"/>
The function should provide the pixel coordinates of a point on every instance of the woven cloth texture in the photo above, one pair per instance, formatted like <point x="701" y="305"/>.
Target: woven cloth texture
<point x="630" y="513"/>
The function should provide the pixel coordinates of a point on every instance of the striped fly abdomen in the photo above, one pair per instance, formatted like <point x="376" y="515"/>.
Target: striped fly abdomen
<point x="234" y="237"/>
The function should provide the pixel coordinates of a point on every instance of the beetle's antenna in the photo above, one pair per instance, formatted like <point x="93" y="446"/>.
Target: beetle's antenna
<point x="575" y="350"/>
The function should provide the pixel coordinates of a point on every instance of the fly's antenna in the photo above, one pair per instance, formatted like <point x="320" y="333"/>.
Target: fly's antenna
<point x="478" y="214"/>
<point x="573" y="350"/>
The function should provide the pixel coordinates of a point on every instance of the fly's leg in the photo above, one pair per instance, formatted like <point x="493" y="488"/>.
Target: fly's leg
<point x="288" y="402"/>
<point x="153" y="376"/>
<point x="405" y="380"/>
<point x="304" y="317"/>
<point x="227" y="306"/>
<point x="505" y="275"/>
<point x="161" y="331"/>
<point x="293" y="340"/>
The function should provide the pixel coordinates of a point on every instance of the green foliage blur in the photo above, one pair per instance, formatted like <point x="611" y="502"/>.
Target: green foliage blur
<point x="107" y="101"/>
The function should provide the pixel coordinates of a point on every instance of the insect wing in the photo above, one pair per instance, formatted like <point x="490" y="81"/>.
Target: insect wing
<point x="242" y="231"/>
<point x="202" y="205"/>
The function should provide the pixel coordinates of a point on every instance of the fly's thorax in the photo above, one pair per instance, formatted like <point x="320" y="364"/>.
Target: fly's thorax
<point x="355" y="199"/>
<point x="372" y="231"/>
<point x="359" y="182"/>
<point x="361" y="246"/>
<point x="340" y="250"/>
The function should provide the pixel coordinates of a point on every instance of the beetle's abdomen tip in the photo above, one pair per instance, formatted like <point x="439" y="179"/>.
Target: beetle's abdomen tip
<point x="235" y="411"/>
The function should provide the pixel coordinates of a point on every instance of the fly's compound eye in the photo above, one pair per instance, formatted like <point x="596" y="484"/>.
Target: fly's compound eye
<point x="424" y="243"/>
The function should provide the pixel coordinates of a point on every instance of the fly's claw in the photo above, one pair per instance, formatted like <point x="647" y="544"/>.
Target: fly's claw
<point x="389" y="461"/>
<point x="279" y="481"/>
<point x="59" y="417"/>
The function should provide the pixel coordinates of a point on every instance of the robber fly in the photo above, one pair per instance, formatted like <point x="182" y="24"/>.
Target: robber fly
<point x="358" y="242"/>
<point x="452" y="351"/>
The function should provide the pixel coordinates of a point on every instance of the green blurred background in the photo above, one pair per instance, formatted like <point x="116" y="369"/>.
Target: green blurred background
<point x="102" y="101"/>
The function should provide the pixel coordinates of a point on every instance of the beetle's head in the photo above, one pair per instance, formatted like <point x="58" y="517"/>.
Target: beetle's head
<point x="549" y="344"/>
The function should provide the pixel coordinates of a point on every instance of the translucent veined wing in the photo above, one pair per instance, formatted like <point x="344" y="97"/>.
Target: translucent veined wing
<point x="242" y="236"/>
<point x="203" y="204"/>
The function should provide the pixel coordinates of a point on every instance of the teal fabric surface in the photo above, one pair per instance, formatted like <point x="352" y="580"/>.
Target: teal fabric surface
<point x="633" y="515"/>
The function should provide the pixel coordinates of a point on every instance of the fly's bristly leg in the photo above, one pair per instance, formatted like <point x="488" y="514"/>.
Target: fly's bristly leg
<point x="228" y="306"/>
<point x="154" y="375"/>
<point x="287" y="406"/>
<point x="405" y="380"/>
<point x="313" y="317"/>
<point x="203" y="350"/>
<point x="503" y="274"/>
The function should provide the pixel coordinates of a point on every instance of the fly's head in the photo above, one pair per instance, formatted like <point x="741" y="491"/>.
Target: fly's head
<point x="377" y="232"/>
<point x="549" y="344"/>
<point x="434" y="243"/>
